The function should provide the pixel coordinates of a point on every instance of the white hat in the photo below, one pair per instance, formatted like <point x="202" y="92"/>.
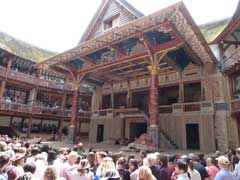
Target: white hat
<point x="223" y="160"/>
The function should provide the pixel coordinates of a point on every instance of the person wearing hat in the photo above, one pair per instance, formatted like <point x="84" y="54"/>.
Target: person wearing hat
<point x="224" y="173"/>
<point x="71" y="162"/>
<point x="237" y="168"/>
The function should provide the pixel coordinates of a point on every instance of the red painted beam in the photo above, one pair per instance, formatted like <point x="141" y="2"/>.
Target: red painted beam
<point x="119" y="61"/>
<point x="165" y="46"/>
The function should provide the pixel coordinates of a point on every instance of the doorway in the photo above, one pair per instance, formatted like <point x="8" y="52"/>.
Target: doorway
<point x="100" y="132"/>
<point x="137" y="129"/>
<point x="192" y="133"/>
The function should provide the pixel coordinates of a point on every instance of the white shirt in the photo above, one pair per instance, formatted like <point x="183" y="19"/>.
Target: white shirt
<point x="195" y="175"/>
<point x="183" y="177"/>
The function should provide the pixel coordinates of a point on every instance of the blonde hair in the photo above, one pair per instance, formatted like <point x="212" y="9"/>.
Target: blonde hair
<point x="106" y="165"/>
<point x="145" y="173"/>
<point x="50" y="173"/>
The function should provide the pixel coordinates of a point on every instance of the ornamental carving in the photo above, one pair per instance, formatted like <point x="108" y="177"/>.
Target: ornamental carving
<point x="189" y="36"/>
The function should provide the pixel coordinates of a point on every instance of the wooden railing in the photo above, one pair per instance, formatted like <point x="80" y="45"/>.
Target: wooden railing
<point x="235" y="105"/>
<point x="165" y="109"/>
<point x="23" y="108"/>
<point x="103" y="112"/>
<point x="23" y="77"/>
<point x="189" y="107"/>
<point x="38" y="110"/>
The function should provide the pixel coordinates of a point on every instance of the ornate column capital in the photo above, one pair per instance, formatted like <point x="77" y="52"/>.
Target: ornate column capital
<point x="76" y="86"/>
<point x="153" y="69"/>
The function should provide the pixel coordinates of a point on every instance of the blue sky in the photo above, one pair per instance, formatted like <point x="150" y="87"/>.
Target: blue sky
<point x="57" y="25"/>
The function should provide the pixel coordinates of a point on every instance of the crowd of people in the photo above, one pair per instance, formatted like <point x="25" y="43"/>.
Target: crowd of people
<point x="20" y="160"/>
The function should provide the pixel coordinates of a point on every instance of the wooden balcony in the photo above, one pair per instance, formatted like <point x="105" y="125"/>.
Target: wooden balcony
<point x="26" y="78"/>
<point x="202" y="107"/>
<point x="22" y="77"/>
<point x="235" y="106"/>
<point x="38" y="111"/>
<point x="165" y="109"/>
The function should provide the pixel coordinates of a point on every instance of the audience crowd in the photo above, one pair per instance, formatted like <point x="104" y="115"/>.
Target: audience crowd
<point x="20" y="160"/>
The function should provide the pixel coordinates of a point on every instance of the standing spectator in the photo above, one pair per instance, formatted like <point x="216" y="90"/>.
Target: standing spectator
<point x="133" y="169"/>
<point x="4" y="163"/>
<point x="224" y="173"/>
<point x="123" y="172"/>
<point x="164" y="171"/>
<point x="200" y="168"/>
<point x="213" y="169"/>
<point x="181" y="170"/>
<point x="194" y="174"/>
<point x="152" y="160"/>
<point x="145" y="173"/>
<point x="71" y="161"/>
<point x="237" y="167"/>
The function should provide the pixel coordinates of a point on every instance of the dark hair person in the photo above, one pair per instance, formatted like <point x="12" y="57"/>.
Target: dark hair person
<point x="182" y="170"/>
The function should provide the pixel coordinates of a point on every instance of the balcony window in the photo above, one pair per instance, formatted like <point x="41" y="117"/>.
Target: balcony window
<point x="111" y="23"/>
<point x="236" y="86"/>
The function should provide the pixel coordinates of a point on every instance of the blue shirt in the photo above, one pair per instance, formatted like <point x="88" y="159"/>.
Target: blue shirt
<point x="225" y="174"/>
<point x="238" y="170"/>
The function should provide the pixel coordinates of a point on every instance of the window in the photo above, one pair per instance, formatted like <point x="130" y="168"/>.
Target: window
<point x="111" y="23"/>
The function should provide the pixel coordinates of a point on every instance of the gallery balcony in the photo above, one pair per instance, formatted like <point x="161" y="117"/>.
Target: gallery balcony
<point x="16" y="109"/>
<point x="32" y="80"/>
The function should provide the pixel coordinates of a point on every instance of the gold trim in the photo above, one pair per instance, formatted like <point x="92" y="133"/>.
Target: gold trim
<point x="76" y="86"/>
<point x="153" y="69"/>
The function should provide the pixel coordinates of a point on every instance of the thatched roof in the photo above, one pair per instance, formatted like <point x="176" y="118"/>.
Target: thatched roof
<point x="211" y="30"/>
<point x="23" y="49"/>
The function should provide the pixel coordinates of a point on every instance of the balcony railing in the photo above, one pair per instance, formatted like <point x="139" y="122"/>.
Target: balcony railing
<point x="23" y="108"/>
<point x="165" y="109"/>
<point x="40" y="110"/>
<point x="18" y="76"/>
<point x="23" y="77"/>
<point x="202" y="106"/>
<point x="235" y="105"/>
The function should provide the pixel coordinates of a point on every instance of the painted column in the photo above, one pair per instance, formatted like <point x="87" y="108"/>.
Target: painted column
<point x="60" y="122"/>
<point x="153" y="130"/>
<point x="74" y="112"/>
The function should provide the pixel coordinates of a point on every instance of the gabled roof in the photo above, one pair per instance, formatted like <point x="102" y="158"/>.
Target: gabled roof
<point x="23" y="49"/>
<point x="102" y="9"/>
<point x="233" y="24"/>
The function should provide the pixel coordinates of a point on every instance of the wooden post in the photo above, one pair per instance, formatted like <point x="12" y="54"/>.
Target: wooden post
<point x="74" y="113"/>
<point x="112" y="97"/>
<point x="181" y="93"/>
<point x="29" y="126"/>
<point x="3" y="85"/>
<point x="153" y="130"/>
<point x="9" y="65"/>
<point x="60" y="122"/>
